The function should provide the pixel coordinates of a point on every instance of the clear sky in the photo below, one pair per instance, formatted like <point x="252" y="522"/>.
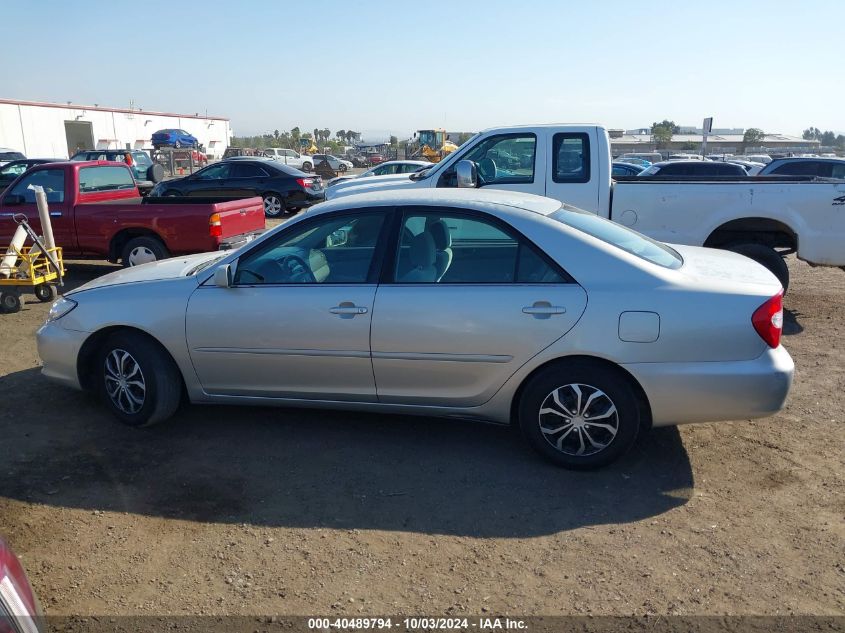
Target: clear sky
<point x="391" y="66"/>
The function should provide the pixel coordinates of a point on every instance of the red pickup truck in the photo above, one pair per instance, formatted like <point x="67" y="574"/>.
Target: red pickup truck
<point x="97" y="212"/>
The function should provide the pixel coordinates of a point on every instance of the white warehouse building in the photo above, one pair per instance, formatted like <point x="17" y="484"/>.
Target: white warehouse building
<point x="54" y="130"/>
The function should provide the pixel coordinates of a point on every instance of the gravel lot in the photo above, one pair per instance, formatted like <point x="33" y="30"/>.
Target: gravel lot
<point x="259" y="511"/>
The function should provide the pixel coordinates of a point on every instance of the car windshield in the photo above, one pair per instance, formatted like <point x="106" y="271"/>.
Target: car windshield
<point x="619" y="236"/>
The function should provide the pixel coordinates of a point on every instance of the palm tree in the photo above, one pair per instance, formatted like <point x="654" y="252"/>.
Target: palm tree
<point x="341" y="135"/>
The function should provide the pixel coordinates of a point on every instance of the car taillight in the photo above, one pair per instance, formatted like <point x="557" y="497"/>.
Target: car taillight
<point x="16" y="596"/>
<point x="215" y="226"/>
<point x="768" y="320"/>
<point x="305" y="183"/>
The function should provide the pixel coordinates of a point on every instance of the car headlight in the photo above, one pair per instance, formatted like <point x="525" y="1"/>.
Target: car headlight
<point x="60" y="308"/>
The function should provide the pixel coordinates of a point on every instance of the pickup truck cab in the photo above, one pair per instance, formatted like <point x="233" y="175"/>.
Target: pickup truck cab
<point x="762" y="218"/>
<point x="97" y="212"/>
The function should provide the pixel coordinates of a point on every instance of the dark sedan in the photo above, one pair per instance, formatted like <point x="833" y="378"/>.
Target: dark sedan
<point x="284" y="189"/>
<point x="10" y="171"/>
<point x="701" y="168"/>
<point x="626" y="169"/>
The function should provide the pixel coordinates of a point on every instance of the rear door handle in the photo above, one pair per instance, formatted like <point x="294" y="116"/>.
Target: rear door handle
<point x="347" y="309"/>
<point x="543" y="309"/>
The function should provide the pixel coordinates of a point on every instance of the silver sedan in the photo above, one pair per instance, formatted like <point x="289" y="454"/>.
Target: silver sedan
<point x="489" y="305"/>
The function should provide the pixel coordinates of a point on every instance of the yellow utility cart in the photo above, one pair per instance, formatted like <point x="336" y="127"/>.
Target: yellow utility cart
<point x="36" y="269"/>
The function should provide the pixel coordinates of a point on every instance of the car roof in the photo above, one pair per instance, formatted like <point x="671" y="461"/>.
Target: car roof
<point x="820" y="159"/>
<point x="709" y="163"/>
<point x="405" y="162"/>
<point x="467" y="198"/>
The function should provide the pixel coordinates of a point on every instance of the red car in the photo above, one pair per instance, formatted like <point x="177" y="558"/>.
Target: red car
<point x="97" y="212"/>
<point x="375" y="159"/>
<point x="19" y="608"/>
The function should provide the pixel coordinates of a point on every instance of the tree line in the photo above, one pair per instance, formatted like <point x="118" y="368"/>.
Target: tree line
<point x="827" y="139"/>
<point x="293" y="138"/>
<point x="662" y="133"/>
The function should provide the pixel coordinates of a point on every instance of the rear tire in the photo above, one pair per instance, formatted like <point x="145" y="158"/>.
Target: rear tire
<point x="143" y="250"/>
<point x="137" y="379"/>
<point x="766" y="257"/>
<point x="274" y="205"/>
<point x="307" y="167"/>
<point x="581" y="407"/>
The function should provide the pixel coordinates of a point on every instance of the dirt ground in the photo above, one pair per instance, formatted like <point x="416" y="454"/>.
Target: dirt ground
<point x="271" y="511"/>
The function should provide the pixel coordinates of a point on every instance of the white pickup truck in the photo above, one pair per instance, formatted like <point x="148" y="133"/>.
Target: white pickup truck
<point x="763" y="218"/>
<point x="290" y="157"/>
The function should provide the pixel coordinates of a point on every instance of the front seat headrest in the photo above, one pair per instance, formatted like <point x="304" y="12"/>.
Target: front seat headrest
<point x="423" y="252"/>
<point x="440" y="233"/>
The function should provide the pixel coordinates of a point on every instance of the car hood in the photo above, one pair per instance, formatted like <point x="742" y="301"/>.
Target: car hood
<point x="172" y="268"/>
<point x="370" y="183"/>
<point x="715" y="264"/>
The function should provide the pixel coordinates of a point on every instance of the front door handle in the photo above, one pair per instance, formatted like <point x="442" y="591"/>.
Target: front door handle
<point x="543" y="310"/>
<point x="347" y="310"/>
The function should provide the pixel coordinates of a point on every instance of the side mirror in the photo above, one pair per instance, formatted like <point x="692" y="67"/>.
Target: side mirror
<point x="14" y="200"/>
<point x="223" y="276"/>
<point x="466" y="174"/>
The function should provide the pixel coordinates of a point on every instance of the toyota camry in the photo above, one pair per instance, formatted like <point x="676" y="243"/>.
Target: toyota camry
<point x="489" y="305"/>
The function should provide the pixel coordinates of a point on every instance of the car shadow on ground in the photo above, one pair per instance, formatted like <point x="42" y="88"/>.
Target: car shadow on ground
<point x="791" y="323"/>
<point x="296" y="468"/>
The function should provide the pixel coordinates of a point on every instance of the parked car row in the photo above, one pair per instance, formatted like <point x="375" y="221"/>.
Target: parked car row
<point x="283" y="189"/>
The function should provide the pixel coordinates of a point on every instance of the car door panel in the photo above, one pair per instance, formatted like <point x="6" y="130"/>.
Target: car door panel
<point x="287" y="341"/>
<point x="456" y="345"/>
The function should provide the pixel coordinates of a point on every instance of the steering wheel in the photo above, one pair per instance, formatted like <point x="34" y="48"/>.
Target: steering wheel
<point x="487" y="169"/>
<point x="296" y="270"/>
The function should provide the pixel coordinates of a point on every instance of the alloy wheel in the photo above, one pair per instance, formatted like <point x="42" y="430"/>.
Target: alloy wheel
<point x="272" y="206"/>
<point x="125" y="384"/>
<point x="578" y="419"/>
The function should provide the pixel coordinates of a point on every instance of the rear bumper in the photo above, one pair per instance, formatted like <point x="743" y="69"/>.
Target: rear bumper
<point x="680" y="393"/>
<point x="236" y="241"/>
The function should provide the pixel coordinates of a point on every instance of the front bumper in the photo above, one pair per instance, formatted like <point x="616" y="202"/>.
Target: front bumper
<point x="58" y="349"/>
<point x="680" y="393"/>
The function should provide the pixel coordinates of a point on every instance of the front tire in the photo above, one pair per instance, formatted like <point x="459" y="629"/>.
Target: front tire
<point x="579" y="414"/>
<point x="137" y="379"/>
<point x="765" y="256"/>
<point x="143" y="250"/>
<point x="177" y="145"/>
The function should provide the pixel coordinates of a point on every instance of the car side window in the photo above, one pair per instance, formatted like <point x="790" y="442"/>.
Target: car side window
<point x="501" y="159"/>
<point x="105" y="178"/>
<point x="796" y="168"/>
<point x="53" y="181"/>
<point x="837" y="171"/>
<point x="248" y="171"/>
<point x="571" y="157"/>
<point x="330" y="250"/>
<point x="453" y="248"/>
<point x="14" y="170"/>
<point x="221" y="170"/>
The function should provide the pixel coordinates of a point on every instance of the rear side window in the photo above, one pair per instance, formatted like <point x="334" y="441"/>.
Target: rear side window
<point x="797" y="168"/>
<point x="248" y="171"/>
<point x="571" y="158"/>
<point x="105" y="178"/>
<point x="11" y="156"/>
<point x="619" y="236"/>
<point x="453" y="248"/>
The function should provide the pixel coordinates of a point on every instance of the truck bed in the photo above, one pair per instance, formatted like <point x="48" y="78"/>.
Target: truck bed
<point x="694" y="210"/>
